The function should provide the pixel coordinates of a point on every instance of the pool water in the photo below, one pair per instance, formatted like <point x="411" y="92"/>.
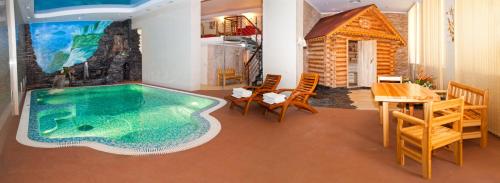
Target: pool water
<point x="133" y="116"/>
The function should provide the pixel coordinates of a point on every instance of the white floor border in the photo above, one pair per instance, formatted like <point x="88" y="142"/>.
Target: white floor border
<point x="215" y="127"/>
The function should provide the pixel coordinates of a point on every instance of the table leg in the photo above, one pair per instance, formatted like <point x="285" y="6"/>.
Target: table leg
<point x="385" y="122"/>
<point x="381" y="113"/>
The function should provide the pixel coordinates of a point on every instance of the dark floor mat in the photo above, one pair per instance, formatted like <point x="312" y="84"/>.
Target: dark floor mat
<point x="332" y="97"/>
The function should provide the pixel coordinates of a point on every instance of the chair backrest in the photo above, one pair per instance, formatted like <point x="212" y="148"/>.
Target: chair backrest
<point x="271" y="82"/>
<point x="227" y="71"/>
<point x="389" y="79"/>
<point x="307" y="83"/>
<point x="472" y="95"/>
<point x="445" y="112"/>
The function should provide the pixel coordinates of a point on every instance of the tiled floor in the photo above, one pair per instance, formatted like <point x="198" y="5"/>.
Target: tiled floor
<point x="335" y="145"/>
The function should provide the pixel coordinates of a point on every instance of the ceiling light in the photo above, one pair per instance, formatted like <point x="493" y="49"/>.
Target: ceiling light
<point x="355" y="1"/>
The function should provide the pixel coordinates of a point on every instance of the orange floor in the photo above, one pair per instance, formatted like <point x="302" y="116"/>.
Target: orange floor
<point x="335" y="145"/>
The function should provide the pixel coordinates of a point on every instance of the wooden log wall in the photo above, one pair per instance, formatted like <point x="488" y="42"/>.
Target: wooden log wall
<point x="316" y="57"/>
<point x="328" y="55"/>
<point x="386" y="57"/>
<point x="329" y="79"/>
<point x="340" y="61"/>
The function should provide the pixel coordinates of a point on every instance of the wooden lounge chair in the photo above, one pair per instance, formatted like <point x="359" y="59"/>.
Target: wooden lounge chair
<point x="441" y="126"/>
<point x="269" y="85"/>
<point x="298" y="98"/>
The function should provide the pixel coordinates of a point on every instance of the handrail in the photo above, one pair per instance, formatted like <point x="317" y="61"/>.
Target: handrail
<point x="253" y="56"/>
<point x="250" y="61"/>
<point x="251" y="23"/>
<point x="253" y="66"/>
<point x="231" y="18"/>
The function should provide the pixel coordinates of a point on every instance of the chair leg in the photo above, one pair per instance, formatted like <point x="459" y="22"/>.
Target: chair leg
<point x="231" y="106"/>
<point x="399" y="149"/>
<point x="402" y="157"/>
<point x="426" y="163"/>
<point x="309" y="108"/>
<point x="458" y="151"/>
<point x="484" y="132"/>
<point x="247" y="106"/>
<point x="283" y="112"/>
<point x="412" y="109"/>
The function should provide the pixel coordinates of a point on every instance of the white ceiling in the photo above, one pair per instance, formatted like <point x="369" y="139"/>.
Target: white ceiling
<point x="209" y="7"/>
<point x="329" y="6"/>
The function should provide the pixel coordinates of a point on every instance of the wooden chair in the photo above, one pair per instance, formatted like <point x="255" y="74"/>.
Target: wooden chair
<point x="298" y="98"/>
<point x="476" y="110"/>
<point x="270" y="84"/>
<point x="442" y="126"/>
<point x="224" y="75"/>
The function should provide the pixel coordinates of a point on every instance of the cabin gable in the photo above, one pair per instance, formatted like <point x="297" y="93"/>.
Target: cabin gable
<point x="370" y="23"/>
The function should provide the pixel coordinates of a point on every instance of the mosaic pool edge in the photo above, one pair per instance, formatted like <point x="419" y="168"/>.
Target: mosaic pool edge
<point x="22" y="135"/>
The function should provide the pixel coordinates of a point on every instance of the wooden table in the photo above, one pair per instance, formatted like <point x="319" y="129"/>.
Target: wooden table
<point x="385" y="93"/>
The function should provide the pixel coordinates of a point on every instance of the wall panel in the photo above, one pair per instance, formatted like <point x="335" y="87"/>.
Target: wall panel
<point x="477" y="54"/>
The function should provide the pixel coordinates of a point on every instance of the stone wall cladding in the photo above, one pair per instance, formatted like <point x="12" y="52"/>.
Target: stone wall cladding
<point x="311" y="17"/>
<point x="400" y="22"/>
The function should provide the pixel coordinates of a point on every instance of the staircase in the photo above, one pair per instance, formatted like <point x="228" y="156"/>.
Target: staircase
<point x="241" y="29"/>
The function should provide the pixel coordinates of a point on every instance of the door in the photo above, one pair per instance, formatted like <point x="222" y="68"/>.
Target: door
<point x="367" y="63"/>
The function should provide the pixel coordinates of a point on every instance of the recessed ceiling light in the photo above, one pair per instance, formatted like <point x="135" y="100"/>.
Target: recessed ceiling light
<point x="355" y="1"/>
<point x="28" y="7"/>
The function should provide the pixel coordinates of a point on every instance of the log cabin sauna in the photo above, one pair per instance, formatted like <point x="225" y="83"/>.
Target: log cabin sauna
<point x="351" y="48"/>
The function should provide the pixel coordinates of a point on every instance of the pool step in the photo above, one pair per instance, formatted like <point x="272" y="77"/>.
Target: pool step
<point x="51" y="117"/>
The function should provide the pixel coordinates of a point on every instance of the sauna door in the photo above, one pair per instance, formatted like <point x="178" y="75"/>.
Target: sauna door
<point x="367" y="63"/>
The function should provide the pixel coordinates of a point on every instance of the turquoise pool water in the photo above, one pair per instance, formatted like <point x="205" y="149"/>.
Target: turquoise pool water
<point x="136" y="117"/>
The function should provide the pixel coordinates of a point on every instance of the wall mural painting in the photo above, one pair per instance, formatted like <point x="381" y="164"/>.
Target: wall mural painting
<point x="64" y="44"/>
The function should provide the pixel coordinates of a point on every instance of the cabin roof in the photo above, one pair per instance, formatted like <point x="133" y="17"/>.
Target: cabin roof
<point x="329" y="25"/>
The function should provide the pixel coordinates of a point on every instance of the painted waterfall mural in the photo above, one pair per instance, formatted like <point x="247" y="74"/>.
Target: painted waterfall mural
<point x="94" y="53"/>
<point x="64" y="44"/>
